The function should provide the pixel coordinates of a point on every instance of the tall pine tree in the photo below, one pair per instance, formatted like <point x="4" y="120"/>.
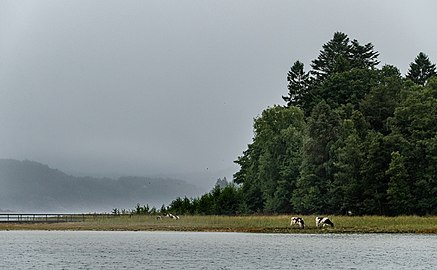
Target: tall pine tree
<point x="334" y="57"/>
<point x="298" y="82"/>
<point x="421" y="69"/>
<point x="363" y="56"/>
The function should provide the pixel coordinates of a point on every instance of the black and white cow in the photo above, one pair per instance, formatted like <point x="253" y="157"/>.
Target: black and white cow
<point x="170" y="215"/>
<point x="323" y="221"/>
<point x="297" y="220"/>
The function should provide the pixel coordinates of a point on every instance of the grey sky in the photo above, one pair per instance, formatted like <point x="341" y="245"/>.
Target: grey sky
<point x="170" y="87"/>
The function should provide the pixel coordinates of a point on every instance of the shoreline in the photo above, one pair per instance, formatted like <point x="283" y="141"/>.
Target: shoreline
<point x="240" y="224"/>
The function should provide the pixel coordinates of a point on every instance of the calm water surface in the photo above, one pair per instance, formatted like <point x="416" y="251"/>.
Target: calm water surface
<point x="192" y="250"/>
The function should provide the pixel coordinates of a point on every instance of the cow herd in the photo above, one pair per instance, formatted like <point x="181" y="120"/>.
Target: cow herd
<point x="320" y="222"/>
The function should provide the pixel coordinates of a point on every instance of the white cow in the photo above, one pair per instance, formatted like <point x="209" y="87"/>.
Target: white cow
<point x="324" y="221"/>
<point x="297" y="220"/>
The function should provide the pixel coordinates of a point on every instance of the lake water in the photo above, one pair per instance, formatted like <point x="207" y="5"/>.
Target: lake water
<point x="193" y="250"/>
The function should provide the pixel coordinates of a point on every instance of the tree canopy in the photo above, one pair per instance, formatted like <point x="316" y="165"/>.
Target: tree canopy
<point x="352" y="137"/>
<point x="366" y="142"/>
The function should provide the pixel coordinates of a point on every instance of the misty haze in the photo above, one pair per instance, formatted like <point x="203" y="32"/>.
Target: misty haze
<point x="161" y="90"/>
<point x="200" y="134"/>
<point x="33" y="187"/>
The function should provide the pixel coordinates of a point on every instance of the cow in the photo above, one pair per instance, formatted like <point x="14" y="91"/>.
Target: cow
<point x="297" y="220"/>
<point x="170" y="215"/>
<point x="323" y="221"/>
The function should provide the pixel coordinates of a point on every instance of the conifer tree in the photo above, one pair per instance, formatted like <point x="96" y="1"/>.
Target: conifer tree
<point x="363" y="56"/>
<point x="421" y="69"/>
<point x="298" y="82"/>
<point x="334" y="57"/>
<point x="340" y="55"/>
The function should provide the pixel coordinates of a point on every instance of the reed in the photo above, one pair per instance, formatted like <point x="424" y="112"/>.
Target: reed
<point x="255" y="223"/>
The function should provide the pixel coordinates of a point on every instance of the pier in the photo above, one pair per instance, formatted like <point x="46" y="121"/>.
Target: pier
<point x="41" y="218"/>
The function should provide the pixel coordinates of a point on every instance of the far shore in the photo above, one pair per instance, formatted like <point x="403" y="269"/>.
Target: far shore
<point x="243" y="224"/>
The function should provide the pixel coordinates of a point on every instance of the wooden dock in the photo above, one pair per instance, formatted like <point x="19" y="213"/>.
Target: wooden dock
<point x="41" y="218"/>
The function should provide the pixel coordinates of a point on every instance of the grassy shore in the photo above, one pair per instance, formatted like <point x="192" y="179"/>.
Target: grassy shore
<point x="256" y="224"/>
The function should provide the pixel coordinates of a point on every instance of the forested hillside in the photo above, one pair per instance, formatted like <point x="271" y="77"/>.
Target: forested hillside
<point x="352" y="137"/>
<point x="31" y="186"/>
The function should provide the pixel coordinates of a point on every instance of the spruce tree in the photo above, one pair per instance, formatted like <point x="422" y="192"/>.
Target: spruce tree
<point x="340" y="55"/>
<point x="334" y="57"/>
<point x="421" y="69"/>
<point x="363" y="56"/>
<point x="298" y="82"/>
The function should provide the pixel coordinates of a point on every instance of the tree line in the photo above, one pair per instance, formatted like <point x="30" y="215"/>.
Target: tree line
<point x="352" y="137"/>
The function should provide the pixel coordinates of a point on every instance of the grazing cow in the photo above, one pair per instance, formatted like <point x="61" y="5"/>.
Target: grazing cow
<point x="170" y="215"/>
<point x="324" y="221"/>
<point x="297" y="220"/>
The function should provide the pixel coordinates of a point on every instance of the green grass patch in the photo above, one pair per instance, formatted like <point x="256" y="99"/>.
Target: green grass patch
<point x="255" y="223"/>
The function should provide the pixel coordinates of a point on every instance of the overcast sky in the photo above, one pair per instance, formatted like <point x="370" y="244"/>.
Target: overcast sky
<point x="170" y="87"/>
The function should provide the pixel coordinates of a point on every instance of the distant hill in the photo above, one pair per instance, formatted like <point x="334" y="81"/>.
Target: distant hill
<point x="32" y="186"/>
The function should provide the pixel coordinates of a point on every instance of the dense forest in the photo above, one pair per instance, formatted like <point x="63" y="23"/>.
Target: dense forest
<point x="352" y="137"/>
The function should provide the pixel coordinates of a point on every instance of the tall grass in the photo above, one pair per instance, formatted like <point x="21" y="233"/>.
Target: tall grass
<point x="268" y="224"/>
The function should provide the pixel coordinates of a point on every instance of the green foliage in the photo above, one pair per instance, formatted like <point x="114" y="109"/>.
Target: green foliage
<point x="270" y="166"/>
<point x="399" y="190"/>
<point x="421" y="70"/>
<point x="345" y="191"/>
<point x="375" y="181"/>
<point x="363" y="56"/>
<point x="379" y="104"/>
<point x="333" y="58"/>
<point x="368" y="143"/>
<point x="142" y="210"/>
<point x="351" y="138"/>
<point x="344" y="72"/>
<point x="298" y="83"/>
<point x="413" y="131"/>
<point x="348" y="87"/>
<point x="219" y="201"/>
<point x="340" y="55"/>
<point x="317" y="167"/>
